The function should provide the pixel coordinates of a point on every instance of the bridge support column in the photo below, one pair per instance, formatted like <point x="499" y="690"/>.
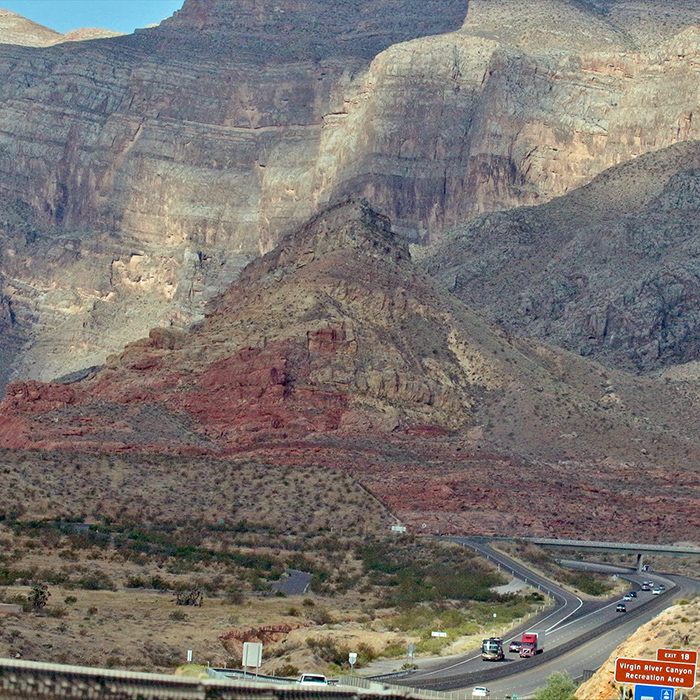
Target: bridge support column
<point x="640" y="562"/>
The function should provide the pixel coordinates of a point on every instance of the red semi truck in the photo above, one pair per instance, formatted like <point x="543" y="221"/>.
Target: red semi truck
<point x="531" y="644"/>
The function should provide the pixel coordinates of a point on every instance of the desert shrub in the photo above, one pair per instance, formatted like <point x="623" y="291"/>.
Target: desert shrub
<point x="178" y="615"/>
<point x="135" y="582"/>
<point x="95" y="581"/>
<point x="234" y="596"/>
<point x="286" y="671"/>
<point x="394" y="651"/>
<point x="415" y="572"/>
<point x="69" y="599"/>
<point x="329" y="650"/>
<point x="58" y="611"/>
<point x="38" y="596"/>
<point x="321" y="616"/>
<point x="56" y="578"/>
<point x="9" y="576"/>
<point x="69" y="554"/>
<point x="158" y="583"/>
<point x="560" y="686"/>
<point x="365" y="654"/>
<point x="588" y="583"/>
<point x="161" y="654"/>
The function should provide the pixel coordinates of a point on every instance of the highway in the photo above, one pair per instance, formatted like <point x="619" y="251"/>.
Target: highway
<point x="579" y="635"/>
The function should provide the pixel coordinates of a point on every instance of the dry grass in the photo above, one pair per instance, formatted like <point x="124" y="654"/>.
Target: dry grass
<point x="139" y="630"/>
<point x="115" y="537"/>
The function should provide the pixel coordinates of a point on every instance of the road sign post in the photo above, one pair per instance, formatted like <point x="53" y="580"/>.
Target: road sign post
<point x="252" y="655"/>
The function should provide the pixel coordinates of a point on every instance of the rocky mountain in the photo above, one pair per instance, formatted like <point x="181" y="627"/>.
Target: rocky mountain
<point x="609" y="271"/>
<point x="336" y="350"/>
<point x="155" y="165"/>
<point x="15" y="29"/>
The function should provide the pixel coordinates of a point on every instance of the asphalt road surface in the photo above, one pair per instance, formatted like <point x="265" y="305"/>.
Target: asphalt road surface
<point x="579" y="635"/>
<point x="293" y="582"/>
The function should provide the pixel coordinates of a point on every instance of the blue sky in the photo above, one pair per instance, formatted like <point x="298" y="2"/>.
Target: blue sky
<point x="119" y="15"/>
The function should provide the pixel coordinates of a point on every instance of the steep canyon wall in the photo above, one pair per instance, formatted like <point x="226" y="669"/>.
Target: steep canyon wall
<point x="154" y="165"/>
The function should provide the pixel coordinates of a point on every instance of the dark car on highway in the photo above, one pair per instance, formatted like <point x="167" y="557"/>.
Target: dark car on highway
<point x="621" y="607"/>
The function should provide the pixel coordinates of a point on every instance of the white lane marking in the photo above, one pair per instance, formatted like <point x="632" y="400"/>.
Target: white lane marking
<point x="556" y="624"/>
<point x="486" y="553"/>
<point x="545" y="588"/>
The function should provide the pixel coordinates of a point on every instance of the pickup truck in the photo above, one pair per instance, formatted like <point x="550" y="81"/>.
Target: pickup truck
<point x="312" y="679"/>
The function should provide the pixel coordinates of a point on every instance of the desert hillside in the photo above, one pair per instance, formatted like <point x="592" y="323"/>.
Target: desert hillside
<point x="336" y="350"/>
<point x="18" y="30"/>
<point x="608" y="271"/>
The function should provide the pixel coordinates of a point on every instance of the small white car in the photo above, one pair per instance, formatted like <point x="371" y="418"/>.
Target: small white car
<point x="481" y="691"/>
<point x="627" y="597"/>
<point x="656" y="591"/>
<point x="313" y="679"/>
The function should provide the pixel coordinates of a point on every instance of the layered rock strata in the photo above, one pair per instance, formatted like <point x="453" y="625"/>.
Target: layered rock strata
<point x="215" y="152"/>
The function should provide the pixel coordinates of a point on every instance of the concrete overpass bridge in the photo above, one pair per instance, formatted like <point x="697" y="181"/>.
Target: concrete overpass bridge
<point x="639" y="549"/>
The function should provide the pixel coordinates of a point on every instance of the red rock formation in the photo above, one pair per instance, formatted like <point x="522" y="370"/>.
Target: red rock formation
<point x="335" y="350"/>
<point x="234" y="639"/>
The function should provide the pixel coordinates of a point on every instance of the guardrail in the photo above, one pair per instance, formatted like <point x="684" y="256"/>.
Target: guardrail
<point x="229" y="674"/>
<point x="381" y="687"/>
<point x="23" y="680"/>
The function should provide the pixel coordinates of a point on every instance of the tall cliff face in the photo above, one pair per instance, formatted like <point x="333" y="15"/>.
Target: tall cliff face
<point x="186" y="148"/>
<point x="167" y="159"/>
<point x="265" y="31"/>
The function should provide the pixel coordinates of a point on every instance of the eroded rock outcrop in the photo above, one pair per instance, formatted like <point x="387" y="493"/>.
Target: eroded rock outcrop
<point x="334" y="349"/>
